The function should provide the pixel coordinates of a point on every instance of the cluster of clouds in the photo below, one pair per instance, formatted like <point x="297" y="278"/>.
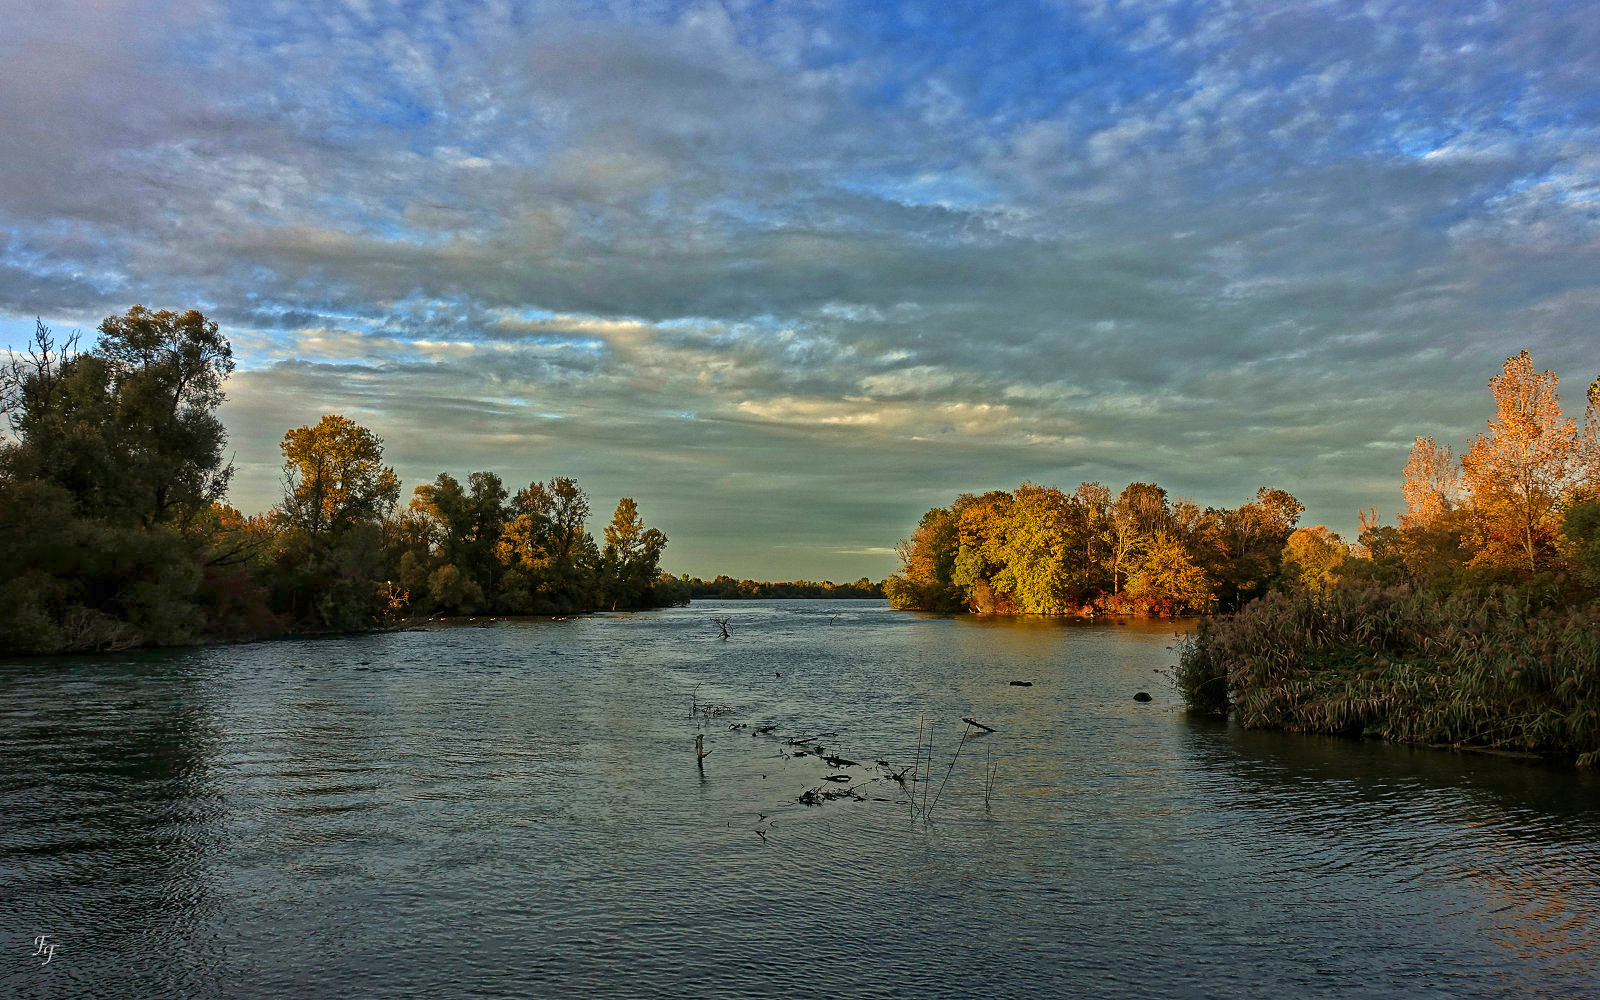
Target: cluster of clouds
<point x="791" y="273"/>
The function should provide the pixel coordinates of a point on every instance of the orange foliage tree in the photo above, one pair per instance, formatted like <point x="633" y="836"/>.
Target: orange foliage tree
<point x="1522" y="472"/>
<point x="1432" y="484"/>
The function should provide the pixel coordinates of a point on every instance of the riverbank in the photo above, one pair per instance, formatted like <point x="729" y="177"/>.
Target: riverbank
<point x="1497" y="669"/>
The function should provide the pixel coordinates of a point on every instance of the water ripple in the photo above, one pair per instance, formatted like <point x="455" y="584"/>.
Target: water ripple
<point x="514" y="808"/>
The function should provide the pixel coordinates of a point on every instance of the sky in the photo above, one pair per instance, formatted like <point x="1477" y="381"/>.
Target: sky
<point x="791" y="274"/>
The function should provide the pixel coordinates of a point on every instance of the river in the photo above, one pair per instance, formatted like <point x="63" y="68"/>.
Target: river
<point x="515" y="808"/>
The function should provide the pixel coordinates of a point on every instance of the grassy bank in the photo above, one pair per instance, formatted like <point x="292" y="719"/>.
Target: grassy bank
<point x="1500" y="669"/>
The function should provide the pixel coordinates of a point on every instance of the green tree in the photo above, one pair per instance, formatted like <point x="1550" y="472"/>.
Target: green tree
<point x="1581" y="531"/>
<point x="629" y="562"/>
<point x="129" y="429"/>
<point x="117" y="453"/>
<point x="549" y="558"/>
<point x="1166" y="574"/>
<point x="465" y="526"/>
<point x="1037" y="551"/>
<point x="1312" y="558"/>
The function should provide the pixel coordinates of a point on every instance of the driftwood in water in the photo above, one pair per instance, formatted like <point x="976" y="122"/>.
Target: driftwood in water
<point x="800" y="741"/>
<point x="975" y="722"/>
<point x="837" y="761"/>
<point x="817" y="796"/>
<point x="1022" y="684"/>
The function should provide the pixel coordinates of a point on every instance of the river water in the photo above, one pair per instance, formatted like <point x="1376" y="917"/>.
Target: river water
<point x="515" y="808"/>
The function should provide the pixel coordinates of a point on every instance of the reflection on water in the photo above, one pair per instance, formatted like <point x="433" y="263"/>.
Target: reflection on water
<point x="513" y="808"/>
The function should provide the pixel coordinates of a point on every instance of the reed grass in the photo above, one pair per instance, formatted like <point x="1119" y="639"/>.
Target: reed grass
<point x="1498" y="669"/>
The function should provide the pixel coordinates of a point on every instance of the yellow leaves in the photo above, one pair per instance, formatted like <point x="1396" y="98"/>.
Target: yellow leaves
<point x="1431" y="483"/>
<point x="334" y="477"/>
<point x="1528" y="464"/>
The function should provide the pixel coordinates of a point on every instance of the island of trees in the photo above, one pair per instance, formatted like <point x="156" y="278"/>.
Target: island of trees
<point x="726" y="588"/>
<point x="115" y="532"/>
<point x="1040" y="550"/>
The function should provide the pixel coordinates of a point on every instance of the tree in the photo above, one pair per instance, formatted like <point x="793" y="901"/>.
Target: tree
<point x="549" y="557"/>
<point x="1432" y="484"/>
<point x="1521" y="473"/>
<point x="1166" y="573"/>
<point x="1140" y="510"/>
<point x="465" y="525"/>
<point x="1036" y="551"/>
<point x="334" y="477"/>
<point x="1248" y="542"/>
<point x="629" y="561"/>
<point x="1312" y="556"/>
<point x="117" y="455"/>
<point x="130" y="429"/>
<point x="928" y="563"/>
<point x="1581" y="531"/>
<point x="1589" y="447"/>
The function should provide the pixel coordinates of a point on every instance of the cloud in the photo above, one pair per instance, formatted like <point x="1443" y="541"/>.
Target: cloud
<point x="799" y="272"/>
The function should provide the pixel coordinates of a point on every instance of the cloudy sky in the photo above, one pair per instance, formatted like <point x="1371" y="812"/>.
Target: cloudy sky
<point x="789" y="274"/>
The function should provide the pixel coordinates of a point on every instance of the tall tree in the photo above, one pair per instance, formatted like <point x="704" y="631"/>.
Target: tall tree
<point x="1037" y="551"/>
<point x="334" y="477"/>
<point x="549" y="557"/>
<point x="1312" y="557"/>
<point x="631" y="558"/>
<point x="1140" y="510"/>
<point x="130" y="428"/>
<point x="1524" y="469"/>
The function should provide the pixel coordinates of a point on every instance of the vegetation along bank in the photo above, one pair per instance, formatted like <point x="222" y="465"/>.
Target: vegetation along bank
<point x="116" y="533"/>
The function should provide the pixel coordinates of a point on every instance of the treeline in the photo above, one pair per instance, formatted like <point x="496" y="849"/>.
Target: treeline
<point x="1039" y="550"/>
<point x="726" y="588"/>
<point x="1471" y="622"/>
<point x="115" y="532"/>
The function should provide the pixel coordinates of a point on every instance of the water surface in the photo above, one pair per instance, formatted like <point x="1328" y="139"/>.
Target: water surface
<point x="515" y="809"/>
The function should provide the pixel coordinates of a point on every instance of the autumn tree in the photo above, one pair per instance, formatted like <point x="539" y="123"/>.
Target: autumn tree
<point x="629" y="562"/>
<point x="1525" y="469"/>
<point x="1246" y="544"/>
<point x="1167" y="574"/>
<point x="1589" y="446"/>
<point x="334" y="477"/>
<point x="337" y="493"/>
<point x="1037" y="551"/>
<point x="1432" y="484"/>
<point x="1312" y="557"/>
<point x="982" y="528"/>
<point x="1092" y="506"/>
<point x="927" y="565"/>
<point x="1140" y="510"/>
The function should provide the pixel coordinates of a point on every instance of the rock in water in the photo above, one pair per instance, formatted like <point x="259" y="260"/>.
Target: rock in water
<point x="1022" y="684"/>
<point x="1142" y="696"/>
